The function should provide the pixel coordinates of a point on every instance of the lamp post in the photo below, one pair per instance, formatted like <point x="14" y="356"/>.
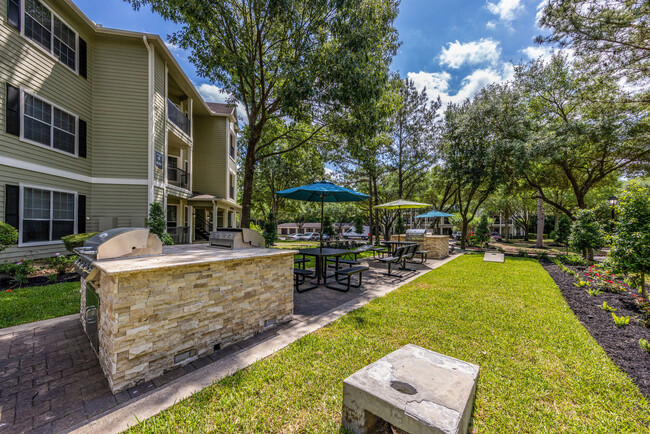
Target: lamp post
<point x="613" y="201"/>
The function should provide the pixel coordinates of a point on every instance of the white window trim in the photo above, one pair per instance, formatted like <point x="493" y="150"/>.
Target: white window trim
<point x="231" y="135"/>
<point x="32" y="142"/>
<point x="51" y="51"/>
<point x="21" y="204"/>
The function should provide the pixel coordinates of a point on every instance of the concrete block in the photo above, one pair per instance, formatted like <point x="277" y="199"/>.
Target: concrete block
<point x="494" y="257"/>
<point x="413" y="389"/>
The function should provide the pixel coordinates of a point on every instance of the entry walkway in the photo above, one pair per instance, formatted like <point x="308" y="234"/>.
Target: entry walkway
<point x="51" y="381"/>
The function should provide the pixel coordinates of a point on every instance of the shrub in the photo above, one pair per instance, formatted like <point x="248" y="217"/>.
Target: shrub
<point x="605" y="280"/>
<point x="73" y="241"/>
<point x="620" y="321"/>
<point x="542" y="256"/>
<point x="644" y="345"/>
<point x="571" y="259"/>
<point x="630" y="252"/>
<point x="358" y="224"/>
<point x="586" y="233"/>
<point x="328" y="229"/>
<point x="522" y="253"/>
<point x="8" y="236"/>
<point x="643" y="305"/>
<point x="500" y="249"/>
<point x="18" y="272"/>
<point x="608" y="308"/>
<point x="482" y="234"/>
<point x="60" y="263"/>
<point x="157" y="223"/>
<point x="270" y="233"/>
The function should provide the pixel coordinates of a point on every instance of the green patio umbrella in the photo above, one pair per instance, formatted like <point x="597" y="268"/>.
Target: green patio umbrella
<point x="322" y="191"/>
<point x="434" y="213"/>
<point x="401" y="204"/>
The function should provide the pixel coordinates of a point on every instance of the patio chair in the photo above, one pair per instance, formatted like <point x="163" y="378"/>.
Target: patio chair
<point x="396" y="258"/>
<point x="407" y="256"/>
<point x="300" y="276"/>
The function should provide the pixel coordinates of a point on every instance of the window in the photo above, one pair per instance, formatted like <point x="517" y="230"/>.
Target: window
<point x="172" y="213"/>
<point x="50" y="33"/>
<point x="47" y="215"/>
<point x="232" y="145"/>
<point x="232" y="186"/>
<point x="48" y="125"/>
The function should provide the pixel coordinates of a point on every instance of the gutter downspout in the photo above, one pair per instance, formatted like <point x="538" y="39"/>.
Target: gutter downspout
<point x="150" y="195"/>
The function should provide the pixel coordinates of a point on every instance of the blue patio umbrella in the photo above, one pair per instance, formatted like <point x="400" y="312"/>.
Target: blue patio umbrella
<point x="322" y="191"/>
<point x="433" y="213"/>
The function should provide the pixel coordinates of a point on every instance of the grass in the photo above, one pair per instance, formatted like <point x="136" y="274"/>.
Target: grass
<point x="35" y="303"/>
<point x="540" y="369"/>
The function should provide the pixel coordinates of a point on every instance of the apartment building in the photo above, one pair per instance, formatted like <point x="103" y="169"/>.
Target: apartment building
<point x="98" y="123"/>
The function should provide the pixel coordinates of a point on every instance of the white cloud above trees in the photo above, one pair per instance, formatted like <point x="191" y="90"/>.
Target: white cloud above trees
<point x="506" y="10"/>
<point x="457" y="54"/>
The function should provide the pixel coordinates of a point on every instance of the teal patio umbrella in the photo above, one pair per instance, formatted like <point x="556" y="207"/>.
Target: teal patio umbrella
<point x="433" y="213"/>
<point x="322" y="191"/>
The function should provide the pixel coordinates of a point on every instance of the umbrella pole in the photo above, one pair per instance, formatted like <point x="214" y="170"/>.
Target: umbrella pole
<point x="322" y="203"/>
<point x="399" y="219"/>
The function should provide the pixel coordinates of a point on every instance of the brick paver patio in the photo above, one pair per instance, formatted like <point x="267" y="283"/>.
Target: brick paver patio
<point x="51" y="380"/>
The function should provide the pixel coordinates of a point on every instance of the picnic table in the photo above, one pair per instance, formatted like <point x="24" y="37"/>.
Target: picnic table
<point x="321" y="256"/>
<point x="391" y="244"/>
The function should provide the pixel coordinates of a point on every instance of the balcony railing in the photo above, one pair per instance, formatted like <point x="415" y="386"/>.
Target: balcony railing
<point x="177" y="117"/>
<point x="179" y="234"/>
<point x="178" y="177"/>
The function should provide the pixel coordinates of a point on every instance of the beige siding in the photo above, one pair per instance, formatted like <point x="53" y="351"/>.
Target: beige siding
<point x="25" y="65"/>
<point x="120" y="107"/>
<point x="160" y="107"/>
<point x="210" y="157"/>
<point x="118" y="205"/>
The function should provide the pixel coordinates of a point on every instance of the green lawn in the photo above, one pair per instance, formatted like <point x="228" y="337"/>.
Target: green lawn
<point x="36" y="303"/>
<point x="540" y="369"/>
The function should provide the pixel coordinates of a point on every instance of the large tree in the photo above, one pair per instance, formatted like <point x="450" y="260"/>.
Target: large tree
<point x="410" y="151"/>
<point x="578" y="135"/>
<point x="613" y="35"/>
<point x="298" y="63"/>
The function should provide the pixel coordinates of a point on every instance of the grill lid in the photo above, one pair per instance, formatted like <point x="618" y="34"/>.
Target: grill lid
<point x="236" y="238"/>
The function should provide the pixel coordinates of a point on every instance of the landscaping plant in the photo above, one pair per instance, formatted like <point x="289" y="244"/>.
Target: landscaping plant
<point x="561" y="234"/>
<point x="270" y="233"/>
<point x="73" y="241"/>
<point x="581" y="283"/>
<point x="608" y="308"/>
<point x="18" y="272"/>
<point x="586" y="233"/>
<point x="630" y="250"/>
<point x="482" y="234"/>
<point x="571" y="259"/>
<point x="594" y="291"/>
<point x="8" y="236"/>
<point x="605" y="280"/>
<point x="644" y="344"/>
<point x="60" y="263"/>
<point x="157" y="223"/>
<point x="620" y="321"/>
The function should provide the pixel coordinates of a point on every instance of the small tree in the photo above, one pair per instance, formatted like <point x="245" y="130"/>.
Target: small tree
<point x="270" y="233"/>
<point x="8" y="236"/>
<point x="157" y="223"/>
<point x="586" y="233"/>
<point x="561" y="235"/>
<point x="482" y="234"/>
<point x="630" y="252"/>
<point x="328" y="229"/>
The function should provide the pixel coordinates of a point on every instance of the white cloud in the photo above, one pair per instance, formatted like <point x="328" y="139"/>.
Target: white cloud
<point x="537" y="51"/>
<point x="491" y="24"/>
<point x="540" y="11"/>
<point x="437" y="83"/>
<point x="485" y="50"/>
<point x="506" y="10"/>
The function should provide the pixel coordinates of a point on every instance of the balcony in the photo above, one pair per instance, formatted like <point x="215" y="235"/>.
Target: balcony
<point x="178" y="177"/>
<point x="178" y="118"/>
<point x="179" y="234"/>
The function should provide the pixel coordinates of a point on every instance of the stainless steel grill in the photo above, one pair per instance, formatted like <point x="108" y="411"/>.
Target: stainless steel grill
<point x="416" y="234"/>
<point x="236" y="238"/>
<point x="114" y="243"/>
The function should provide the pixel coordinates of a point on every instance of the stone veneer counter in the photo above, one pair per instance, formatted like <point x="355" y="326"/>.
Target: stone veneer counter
<point x="161" y="312"/>
<point x="436" y="245"/>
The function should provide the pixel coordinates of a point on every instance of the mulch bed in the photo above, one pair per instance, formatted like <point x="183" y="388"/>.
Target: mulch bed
<point x="41" y="280"/>
<point x="620" y="344"/>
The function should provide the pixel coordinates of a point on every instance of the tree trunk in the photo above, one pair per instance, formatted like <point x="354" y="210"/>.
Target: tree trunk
<point x="540" y="223"/>
<point x="463" y="235"/>
<point x="375" y="192"/>
<point x="507" y="217"/>
<point x="371" y="221"/>
<point x="247" y="193"/>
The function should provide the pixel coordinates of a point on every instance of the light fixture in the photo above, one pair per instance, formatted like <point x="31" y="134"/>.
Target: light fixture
<point x="613" y="200"/>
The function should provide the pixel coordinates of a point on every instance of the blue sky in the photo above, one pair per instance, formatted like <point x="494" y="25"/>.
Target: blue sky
<point x="453" y="47"/>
